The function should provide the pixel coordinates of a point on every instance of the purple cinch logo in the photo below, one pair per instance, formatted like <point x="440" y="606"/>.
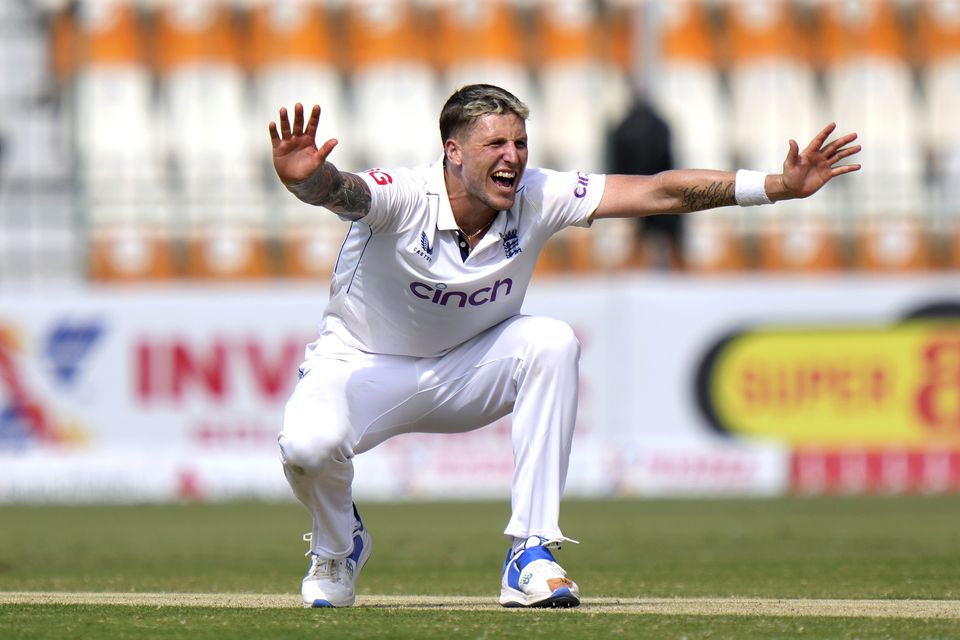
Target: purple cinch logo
<point x="583" y="180"/>
<point x="442" y="295"/>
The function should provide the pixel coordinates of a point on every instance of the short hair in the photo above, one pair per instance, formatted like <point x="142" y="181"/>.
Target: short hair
<point x="472" y="102"/>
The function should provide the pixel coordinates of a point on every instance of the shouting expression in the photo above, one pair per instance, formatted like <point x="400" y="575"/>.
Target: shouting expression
<point x="491" y="156"/>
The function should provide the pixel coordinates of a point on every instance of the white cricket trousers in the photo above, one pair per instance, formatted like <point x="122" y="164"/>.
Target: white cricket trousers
<point x="350" y="402"/>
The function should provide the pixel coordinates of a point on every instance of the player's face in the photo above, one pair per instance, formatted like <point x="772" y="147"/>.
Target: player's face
<point x="494" y="155"/>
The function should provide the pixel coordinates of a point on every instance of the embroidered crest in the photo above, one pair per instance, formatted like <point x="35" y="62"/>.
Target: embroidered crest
<point x="511" y="243"/>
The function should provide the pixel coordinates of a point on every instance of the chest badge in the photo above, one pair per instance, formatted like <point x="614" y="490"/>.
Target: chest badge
<point x="425" y="251"/>
<point x="511" y="243"/>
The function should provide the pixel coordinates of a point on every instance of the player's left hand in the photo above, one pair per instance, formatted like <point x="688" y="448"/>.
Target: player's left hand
<point x="805" y="173"/>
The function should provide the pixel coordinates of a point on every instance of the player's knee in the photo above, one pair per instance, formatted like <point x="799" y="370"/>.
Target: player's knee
<point x="306" y="452"/>
<point x="307" y="440"/>
<point x="552" y="340"/>
<point x="311" y="434"/>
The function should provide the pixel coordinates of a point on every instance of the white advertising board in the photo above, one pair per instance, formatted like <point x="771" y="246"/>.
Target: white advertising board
<point x="153" y="393"/>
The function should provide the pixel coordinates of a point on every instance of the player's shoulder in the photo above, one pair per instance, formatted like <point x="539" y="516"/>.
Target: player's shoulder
<point x="397" y="195"/>
<point x="539" y="183"/>
<point x="380" y="177"/>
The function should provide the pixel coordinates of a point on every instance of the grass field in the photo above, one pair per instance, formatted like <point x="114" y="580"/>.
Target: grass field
<point x="648" y="569"/>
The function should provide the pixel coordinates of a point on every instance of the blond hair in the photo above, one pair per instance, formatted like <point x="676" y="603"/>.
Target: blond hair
<point x="472" y="102"/>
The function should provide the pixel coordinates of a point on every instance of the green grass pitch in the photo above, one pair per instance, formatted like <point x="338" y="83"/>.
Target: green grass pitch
<point x="883" y="548"/>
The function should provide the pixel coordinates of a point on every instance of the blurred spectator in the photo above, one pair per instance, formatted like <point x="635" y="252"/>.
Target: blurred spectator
<point x="641" y="144"/>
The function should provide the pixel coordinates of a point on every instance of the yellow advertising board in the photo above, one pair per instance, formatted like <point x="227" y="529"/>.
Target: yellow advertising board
<point x="895" y="385"/>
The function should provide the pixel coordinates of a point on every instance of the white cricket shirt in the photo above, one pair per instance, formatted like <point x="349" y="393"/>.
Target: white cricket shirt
<point x="401" y="284"/>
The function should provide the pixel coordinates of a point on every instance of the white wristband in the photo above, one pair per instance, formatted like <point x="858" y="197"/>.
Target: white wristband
<point x="748" y="189"/>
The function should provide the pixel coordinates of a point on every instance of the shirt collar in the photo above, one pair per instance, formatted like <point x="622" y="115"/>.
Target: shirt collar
<point x="437" y="184"/>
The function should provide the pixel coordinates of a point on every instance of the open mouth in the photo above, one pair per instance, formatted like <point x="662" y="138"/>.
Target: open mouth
<point x="505" y="179"/>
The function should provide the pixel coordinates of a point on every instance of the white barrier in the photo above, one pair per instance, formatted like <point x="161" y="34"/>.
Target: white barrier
<point x="159" y="393"/>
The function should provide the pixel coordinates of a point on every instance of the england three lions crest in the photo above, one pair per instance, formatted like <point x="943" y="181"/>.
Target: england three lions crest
<point x="511" y="244"/>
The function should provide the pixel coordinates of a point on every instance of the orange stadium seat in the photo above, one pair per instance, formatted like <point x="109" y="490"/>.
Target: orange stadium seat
<point x="484" y="41"/>
<point x="774" y="98"/>
<point x="572" y="71"/>
<point x="938" y="34"/>
<point x="869" y="86"/>
<point x="688" y="87"/>
<point x="714" y="243"/>
<point x="688" y="92"/>
<point x="213" y="143"/>
<point x="63" y="44"/>
<point x="296" y="59"/>
<point x="569" y="67"/>
<point x="807" y="242"/>
<point x="621" y="46"/>
<point x="120" y="165"/>
<point x="394" y="109"/>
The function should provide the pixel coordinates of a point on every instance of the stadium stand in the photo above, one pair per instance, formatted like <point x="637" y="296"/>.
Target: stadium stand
<point x="868" y="79"/>
<point x="393" y="84"/>
<point x="38" y="235"/>
<point x="774" y="98"/>
<point x="687" y="90"/>
<point x="623" y="23"/>
<point x="938" y="36"/>
<point x="295" y="58"/>
<point x="188" y="189"/>
<point x="119" y="162"/>
<point x="571" y="63"/>
<point x="213" y="148"/>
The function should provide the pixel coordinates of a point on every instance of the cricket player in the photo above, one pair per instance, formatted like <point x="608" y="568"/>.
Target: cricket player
<point x="423" y="331"/>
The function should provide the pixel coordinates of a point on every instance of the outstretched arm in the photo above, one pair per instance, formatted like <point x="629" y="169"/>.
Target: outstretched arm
<point x="685" y="190"/>
<point x="304" y="170"/>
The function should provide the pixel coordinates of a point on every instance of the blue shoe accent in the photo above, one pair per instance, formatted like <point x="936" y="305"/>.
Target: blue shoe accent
<point x="562" y="597"/>
<point x="528" y="574"/>
<point x="356" y="515"/>
<point x="357" y="538"/>
<point x="357" y="549"/>
<point x="534" y="553"/>
<point x="521" y="561"/>
<point x="319" y="603"/>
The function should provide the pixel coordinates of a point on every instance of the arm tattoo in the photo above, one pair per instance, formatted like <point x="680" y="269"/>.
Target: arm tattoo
<point x="342" y="193"/>
<point x="716" y="194"/>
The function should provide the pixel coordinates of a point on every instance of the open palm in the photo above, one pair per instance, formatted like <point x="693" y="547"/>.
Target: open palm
<point x="295" y="153"/>
<point x="805" y="173"/>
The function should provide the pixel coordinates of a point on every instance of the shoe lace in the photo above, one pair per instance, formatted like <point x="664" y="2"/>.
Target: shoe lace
<point x="546" y="543"/>
<point x="323" y="567"/>
<point x="540" y="541"/>
<point x="554" y="543"/>
<point x="308" y="538"/>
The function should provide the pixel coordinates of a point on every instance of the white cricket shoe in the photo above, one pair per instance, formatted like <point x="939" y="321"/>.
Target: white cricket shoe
<point x="331" y="582"/>
<point x="532" y="577"/>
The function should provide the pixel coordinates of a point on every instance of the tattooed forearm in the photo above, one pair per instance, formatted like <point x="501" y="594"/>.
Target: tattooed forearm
<point x="716" y="194"/>
<point x="351" y="198"/>
<point x="342" y="193"/>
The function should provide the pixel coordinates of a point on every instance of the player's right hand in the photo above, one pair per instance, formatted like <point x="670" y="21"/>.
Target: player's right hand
<point x="295" y="153"/>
